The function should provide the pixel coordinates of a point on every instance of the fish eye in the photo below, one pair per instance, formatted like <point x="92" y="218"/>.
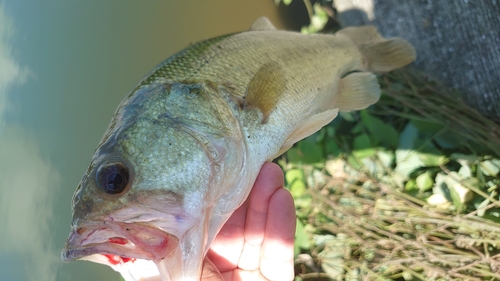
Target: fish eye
<point x="112" y="178"/>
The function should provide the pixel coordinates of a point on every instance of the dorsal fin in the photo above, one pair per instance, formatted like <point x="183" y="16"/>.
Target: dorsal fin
<point x="362" y="35"/>
<point x="381" y="55"/>
<point x="265" y="89"/>
<point x="262" y="23"/>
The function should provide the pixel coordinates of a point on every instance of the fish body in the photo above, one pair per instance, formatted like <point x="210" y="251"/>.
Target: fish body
<point x="185" y="146"/>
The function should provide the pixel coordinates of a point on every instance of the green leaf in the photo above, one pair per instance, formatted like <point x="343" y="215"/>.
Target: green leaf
<point x="312" y="152"/>
<point x="307" y="151"/>
<point x="286" y="2"/>
<point x="293" y="175"/>
<point x="383" y="132"/>
<point x="410" y="185"/>
<point x="455" y="198"/>
<point x="441" y="186"/>
<point x="426" y="127"/>
<point x="357" y="129"/>
<point x="301" y="238"/>
<point x="333" y="255"/>
<point x="446" y="144"/>
<point x="407" y="138"/>
<point x="407" y="159"/>
<point x="481" y="207"/>
<point x="332" y="149"/>
<point x="303" y="202"/>
<point x="294" y="155"/>
<point x="465" y="172"/>
<point x="450" y="140"/>
<point x="295" y="182"/>
<point x="464" y="159"/>
<point x="362" y="147"/>
<point x="490" y="167"/>
<point x="407" y="275"/>
<point x="297" y="188"/>
<point x="330" y="131"/>
<point x="432" y="159"/>
<point x="370" y="165"/>
<point x="319" y="136"/>
<point x="430" y="155"/>
<point x="458" y="193"/>
<point x="354" y="162"/>
<point x="413" y="152"/>
<point x="318" y="20"/>
<point x="480" y="175"/>
<point x="424" y="181"/>
<point x="386" y="158"/>
<point x="348" y="116"/>
<point x="493" y="215"/>
<point x="407" y="162"/>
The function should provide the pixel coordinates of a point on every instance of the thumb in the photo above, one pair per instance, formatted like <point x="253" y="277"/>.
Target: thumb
<point x="210" y="272"/>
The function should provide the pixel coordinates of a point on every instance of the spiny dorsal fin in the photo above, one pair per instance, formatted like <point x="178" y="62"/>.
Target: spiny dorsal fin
<point x="262" y="23"/>
<point x="265" y="89"/>
<point x="381" y="54"/>
<point x="357" y="90"/>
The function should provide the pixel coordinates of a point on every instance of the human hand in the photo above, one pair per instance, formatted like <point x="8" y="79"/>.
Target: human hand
<point x="256" y="243"/>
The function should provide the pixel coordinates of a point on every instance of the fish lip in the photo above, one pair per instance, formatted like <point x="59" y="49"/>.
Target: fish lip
<point x="140" y="241"/>
<point x="71" y="254"/>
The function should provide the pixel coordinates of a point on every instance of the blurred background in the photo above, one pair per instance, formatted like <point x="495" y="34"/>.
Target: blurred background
<point x="64" y="68"/>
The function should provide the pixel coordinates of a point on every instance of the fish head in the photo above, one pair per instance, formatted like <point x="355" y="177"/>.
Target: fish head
<point x="147" y="192"/>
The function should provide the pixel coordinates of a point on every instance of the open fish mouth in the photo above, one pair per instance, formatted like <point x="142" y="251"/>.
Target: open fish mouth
<point x="118" y="243"/>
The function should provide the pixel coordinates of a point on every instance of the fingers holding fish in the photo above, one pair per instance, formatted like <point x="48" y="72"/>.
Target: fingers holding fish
<point x="210" y="272"/>
<point x="257" y="241"/>
<point x="226" y="248"/>
<point x="238" y="243"/>
<point x="269" y="229"/>
<point x="276" y="261"/>
<point x="269" y="180"/>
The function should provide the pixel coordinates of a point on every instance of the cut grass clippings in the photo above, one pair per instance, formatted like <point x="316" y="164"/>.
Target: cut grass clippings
<point x="410" y="204"/>
<point x="407" y="189"/>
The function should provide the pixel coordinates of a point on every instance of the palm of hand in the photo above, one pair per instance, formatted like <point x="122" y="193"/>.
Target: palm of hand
<point x="256" y="243"/>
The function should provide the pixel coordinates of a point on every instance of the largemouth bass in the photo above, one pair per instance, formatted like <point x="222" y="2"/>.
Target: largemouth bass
<point x="185" y="146"/>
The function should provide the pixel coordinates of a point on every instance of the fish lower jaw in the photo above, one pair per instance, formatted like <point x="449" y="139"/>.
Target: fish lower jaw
<point x="132" y="270"/>
<point x="118" y="243"/>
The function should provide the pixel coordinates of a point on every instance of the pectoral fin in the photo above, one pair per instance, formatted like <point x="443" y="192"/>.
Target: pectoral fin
<point x="307" y="128"/>
<point x="265" y="89"/>
<point x="262" y="23"/>
<point x="357" y="90"/>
